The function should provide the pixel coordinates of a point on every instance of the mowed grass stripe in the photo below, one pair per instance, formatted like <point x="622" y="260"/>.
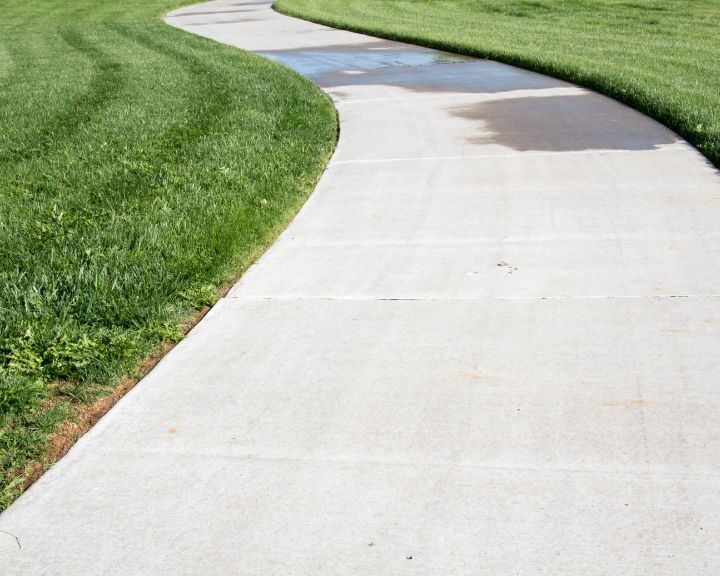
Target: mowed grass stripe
<point x="142" y="169"/>
<point x="659" y="56"/>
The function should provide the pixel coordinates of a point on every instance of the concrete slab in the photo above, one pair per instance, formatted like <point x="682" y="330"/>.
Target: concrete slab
<point x="333" y="425"/>
<point x="484" y="200"/>
<point x="486" y="345"/>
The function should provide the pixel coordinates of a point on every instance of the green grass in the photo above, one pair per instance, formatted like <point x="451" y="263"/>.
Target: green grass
<point x="659" y="56"/>
<point x="141" y="169"/>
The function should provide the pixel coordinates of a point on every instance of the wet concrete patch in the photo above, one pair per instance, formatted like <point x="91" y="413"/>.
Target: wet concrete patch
<point x="472" y="76"/>
<point x="389" y="63"/>
<point x="317" y="62"/>
<point x="216" y="22"/>
<point x="367" y="44"/>
<point x="564" y="123"/>
<point x="256" y="3"/>
<point x="208" y="13"/>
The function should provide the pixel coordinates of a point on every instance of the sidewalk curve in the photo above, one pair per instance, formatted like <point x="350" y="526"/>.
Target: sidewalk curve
<point x="489" y="344"/>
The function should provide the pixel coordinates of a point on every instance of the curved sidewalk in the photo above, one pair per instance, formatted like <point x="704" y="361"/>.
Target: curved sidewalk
<point x="489" y="344"/>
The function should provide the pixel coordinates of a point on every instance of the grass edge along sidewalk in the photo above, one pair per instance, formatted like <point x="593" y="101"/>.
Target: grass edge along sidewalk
<point x="142" y="169"/>
<point x="661" y="57"/>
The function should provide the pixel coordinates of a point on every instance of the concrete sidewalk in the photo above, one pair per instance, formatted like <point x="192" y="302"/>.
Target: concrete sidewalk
<point x="488" y="345"/>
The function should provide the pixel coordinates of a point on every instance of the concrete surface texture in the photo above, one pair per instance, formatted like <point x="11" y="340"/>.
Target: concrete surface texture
<point x="488" y="345"/>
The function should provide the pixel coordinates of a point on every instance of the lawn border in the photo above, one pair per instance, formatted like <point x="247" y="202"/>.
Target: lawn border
<point x="81" y="417"/>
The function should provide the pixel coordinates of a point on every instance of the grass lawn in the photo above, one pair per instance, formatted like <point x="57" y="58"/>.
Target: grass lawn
<point x="659" y="56"/>
<point x="141" y="170"/>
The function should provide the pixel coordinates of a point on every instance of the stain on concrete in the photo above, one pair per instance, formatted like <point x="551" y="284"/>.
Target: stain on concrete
<point x="563" y="123"/>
